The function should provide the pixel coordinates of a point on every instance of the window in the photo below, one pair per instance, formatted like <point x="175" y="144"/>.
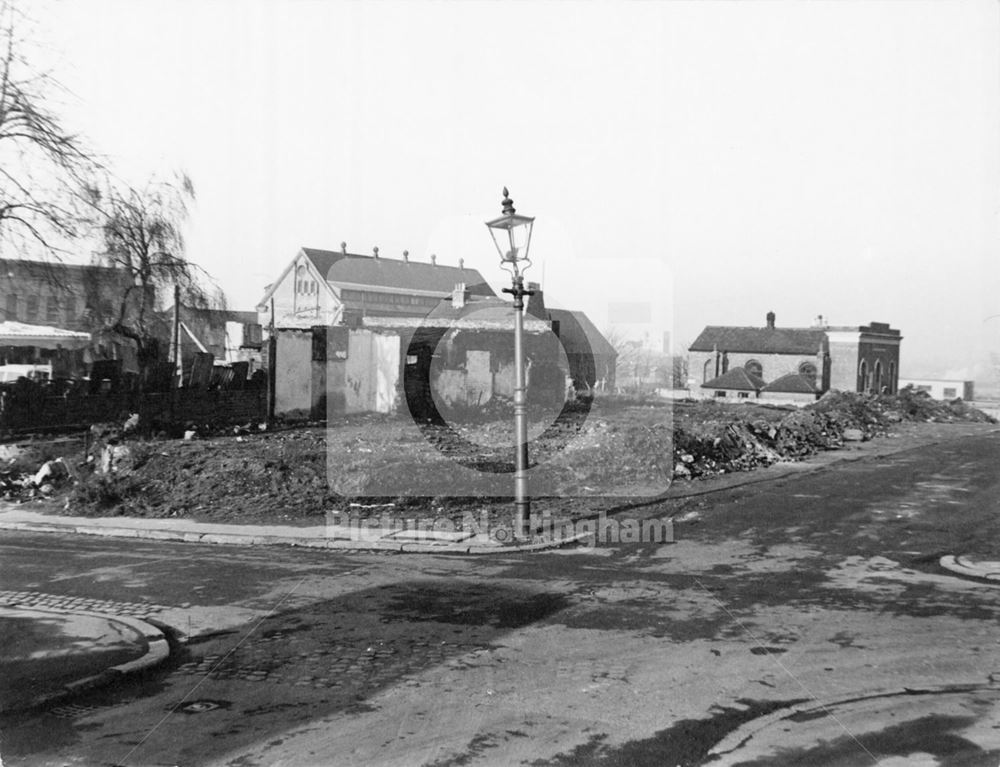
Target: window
<point x="923" y="387"/>
<point x="32" y="308"/>
<point x="863" y="376"/>
<point x="70" y="307"/>
<point x="808" y="371"/>
<point x="892" y="377"/>
<point x="52" y="310"/>
<point x="877" y="376"/>
<point x="754" y="368"/>
<point x="744" y="395"/>
<point x="720" y="394"/>
<point x="12" y="307"/>
<point x="950" y="392"/>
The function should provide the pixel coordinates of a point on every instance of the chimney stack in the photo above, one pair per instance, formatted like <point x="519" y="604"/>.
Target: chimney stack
<point x="434" y="260"/>
<point x="375" y="251"/>
<point x="461" y="263"/>
<point x="770" y="320"/>
<point x="406" y="256"/>
<point x="458" y="296"/>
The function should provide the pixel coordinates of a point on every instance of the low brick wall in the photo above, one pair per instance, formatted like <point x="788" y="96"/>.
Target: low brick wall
<point x="221" y="407"/>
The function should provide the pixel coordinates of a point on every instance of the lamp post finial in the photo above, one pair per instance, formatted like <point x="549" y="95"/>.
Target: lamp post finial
<point x="508" y="204"/>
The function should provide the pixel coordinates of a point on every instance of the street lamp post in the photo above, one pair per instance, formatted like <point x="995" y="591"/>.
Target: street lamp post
<point x="512" y="236"/>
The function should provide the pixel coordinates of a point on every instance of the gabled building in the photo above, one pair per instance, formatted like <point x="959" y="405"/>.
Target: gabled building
<point x="737" y="383"/>
<point x="791" y="388"/>
<point x="862" y="358"/>
<point x="325" y="287"/>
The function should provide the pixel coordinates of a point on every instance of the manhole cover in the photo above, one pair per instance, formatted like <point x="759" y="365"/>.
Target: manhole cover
<point x="942" y="726"/>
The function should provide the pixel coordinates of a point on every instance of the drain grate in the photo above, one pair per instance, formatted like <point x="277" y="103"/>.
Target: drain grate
<point x="71" y="711"/>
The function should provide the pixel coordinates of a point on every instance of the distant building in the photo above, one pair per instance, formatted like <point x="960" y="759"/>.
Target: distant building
<point x="945" y="389"/>
<point x="75" y="297"/>
<point x="355" y="332"/>
<point x="326" y="287"/>
<point x="795" y="364"/>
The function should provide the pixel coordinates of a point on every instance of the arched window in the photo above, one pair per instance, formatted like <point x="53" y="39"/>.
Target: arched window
<point x="877" y="378"/>
<point x="704" y="370"/>
<point x="754" y="368"/>
<point x="863" y="376"/>
<point x="891" y="383"/>
<point x="808" y="371"/>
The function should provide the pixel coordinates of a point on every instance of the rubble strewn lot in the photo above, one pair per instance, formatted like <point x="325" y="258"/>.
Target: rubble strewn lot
<point x="618" y="452"/>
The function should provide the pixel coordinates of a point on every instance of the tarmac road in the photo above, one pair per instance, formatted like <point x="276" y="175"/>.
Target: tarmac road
<point x="804" y="620"/>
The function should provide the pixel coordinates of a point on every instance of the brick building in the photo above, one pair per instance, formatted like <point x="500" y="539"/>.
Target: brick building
<point x="75" y="297"/>
<point x="806" y="361"/>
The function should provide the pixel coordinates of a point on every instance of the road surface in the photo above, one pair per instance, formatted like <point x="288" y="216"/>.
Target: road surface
<point x="800" y="621"/>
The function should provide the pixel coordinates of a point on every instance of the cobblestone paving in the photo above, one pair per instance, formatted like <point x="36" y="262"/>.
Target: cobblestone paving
<point x="280" y="659"/>
<point x="42" y="601"/>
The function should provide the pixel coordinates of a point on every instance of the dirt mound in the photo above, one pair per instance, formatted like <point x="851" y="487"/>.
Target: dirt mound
<point x="738" y="441"/>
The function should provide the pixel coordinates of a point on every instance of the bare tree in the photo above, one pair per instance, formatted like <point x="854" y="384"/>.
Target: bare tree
<point x="41" y="163"/>
<point x="141" y="234"/>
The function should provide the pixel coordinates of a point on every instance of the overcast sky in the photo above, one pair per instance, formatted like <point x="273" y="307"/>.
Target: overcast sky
<point x="712" y="160"/>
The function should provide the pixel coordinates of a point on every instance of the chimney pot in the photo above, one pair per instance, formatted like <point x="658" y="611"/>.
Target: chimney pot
<point x="375" y="251"/>
<point x="461" y="263"/>
<point x="406" y="256"/>
<point x="343" y="248"/>
<point x="434" y="259"/>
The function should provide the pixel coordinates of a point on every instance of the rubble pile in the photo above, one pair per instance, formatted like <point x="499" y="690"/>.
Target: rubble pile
<point x="252" y="475"/>
<point x="27" y="473"/>
<point x="731" y="439"/>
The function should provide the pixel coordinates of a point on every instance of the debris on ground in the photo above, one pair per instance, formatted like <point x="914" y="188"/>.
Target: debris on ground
<point x="282" y="475"/>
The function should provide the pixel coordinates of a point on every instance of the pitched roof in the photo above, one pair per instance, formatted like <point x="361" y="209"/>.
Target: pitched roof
<point x="579" y="335"/>
<point x="759" y="340"/>
<point x="737" y="378"/>
<point x="479" y="313"/>
<point x="353" y="269"/>
<point x="792" y="383"/>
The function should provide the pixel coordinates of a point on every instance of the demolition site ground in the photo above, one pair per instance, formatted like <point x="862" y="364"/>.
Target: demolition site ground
<point x="590" y="459"/>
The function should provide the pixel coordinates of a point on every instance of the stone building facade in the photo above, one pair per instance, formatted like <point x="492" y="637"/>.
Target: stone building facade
<point x="863" y="358"/>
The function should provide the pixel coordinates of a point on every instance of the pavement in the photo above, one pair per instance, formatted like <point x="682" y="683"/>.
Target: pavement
<point x="49" y="653"/>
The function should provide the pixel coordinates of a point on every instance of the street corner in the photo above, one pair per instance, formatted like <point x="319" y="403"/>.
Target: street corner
<point x="972" y="567"/>
<point x="947" y="724"/>
<point x="51" y="654"/>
